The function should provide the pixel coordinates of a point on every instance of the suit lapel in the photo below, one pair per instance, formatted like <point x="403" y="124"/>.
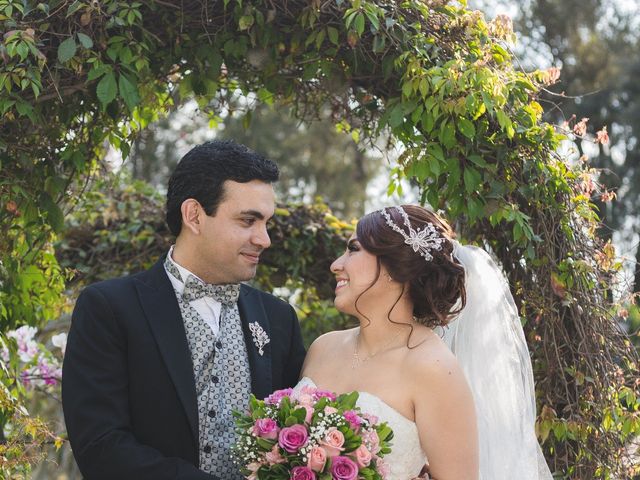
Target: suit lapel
<point x="161" y="308"/>
<point x="252" y="311"/>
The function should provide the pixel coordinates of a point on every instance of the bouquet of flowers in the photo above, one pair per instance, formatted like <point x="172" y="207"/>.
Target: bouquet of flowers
<point x="310" y="434"/>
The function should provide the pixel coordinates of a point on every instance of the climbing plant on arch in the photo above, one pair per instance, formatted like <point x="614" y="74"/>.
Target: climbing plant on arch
<point x="434" y="75"/>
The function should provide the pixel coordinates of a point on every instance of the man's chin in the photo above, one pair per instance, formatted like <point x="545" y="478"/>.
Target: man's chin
<point x="248" y="274"/>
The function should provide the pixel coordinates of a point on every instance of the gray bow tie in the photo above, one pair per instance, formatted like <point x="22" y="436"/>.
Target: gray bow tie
<point x="194" y="289"/>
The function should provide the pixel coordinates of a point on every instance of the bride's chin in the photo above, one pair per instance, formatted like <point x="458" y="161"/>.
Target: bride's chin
<point x="341" y="306"/>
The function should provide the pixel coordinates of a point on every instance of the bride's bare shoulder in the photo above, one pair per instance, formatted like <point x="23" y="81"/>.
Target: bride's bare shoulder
<point x="331" y="341"/>
<point x="326" y="347"/>
<point x="431" y="357"/>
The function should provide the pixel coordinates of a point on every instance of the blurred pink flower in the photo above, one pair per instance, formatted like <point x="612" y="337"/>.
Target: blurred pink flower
<point x="277" y="396"/>
<point x="602" y="136"/>
<point x="552" y="75"/>
<point x="353" y="418"/>
<point x="580" y="128"/>
<point x="274" y="457"/>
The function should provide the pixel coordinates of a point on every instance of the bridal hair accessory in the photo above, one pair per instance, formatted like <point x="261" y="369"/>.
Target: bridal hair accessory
<point x="260" y="337"/>
<point x="422" y="241"/>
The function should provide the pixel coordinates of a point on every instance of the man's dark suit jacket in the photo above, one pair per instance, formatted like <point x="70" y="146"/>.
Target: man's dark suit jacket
<point x="128" y="389"/>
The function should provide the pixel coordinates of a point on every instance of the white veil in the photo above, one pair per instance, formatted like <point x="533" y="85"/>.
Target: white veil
<point x="489" y="343"/>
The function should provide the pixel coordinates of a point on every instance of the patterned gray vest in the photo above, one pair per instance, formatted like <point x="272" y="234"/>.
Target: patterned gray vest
<point x="223" y="380"/>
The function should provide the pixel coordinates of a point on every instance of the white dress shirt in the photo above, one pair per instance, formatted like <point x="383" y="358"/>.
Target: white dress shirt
<point x="207" y="307"/>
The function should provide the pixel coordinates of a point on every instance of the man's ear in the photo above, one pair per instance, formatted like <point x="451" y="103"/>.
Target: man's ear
<point x="192" y="213"/>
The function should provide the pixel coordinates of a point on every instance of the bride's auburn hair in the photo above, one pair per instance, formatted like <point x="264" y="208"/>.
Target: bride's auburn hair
<point x="436" y="286"/>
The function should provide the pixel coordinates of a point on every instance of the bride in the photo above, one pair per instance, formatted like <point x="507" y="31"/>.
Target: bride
<point x="461" y="402"/>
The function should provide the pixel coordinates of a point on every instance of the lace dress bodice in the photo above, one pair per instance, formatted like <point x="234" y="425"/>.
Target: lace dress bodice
<point x="406" y="458"/>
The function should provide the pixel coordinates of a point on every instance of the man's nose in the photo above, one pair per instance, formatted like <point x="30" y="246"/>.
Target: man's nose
<point x="261" y="238"/>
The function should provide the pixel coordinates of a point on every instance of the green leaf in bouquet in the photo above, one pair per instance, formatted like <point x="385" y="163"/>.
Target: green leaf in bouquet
<point x="367" y="473"/>
<point x="385" y="433"/>
<point x="351" y="445"/>
<point x="284" y="411"/>
<point x="320" y="404"/>
<point x="300" y="414"/>
<point x="241" y="417"/>
<point x="264" y="473"/>
<point x="254" y="403"/>
<point x="292" y="420"/>
<point x="265" y="444"/>
<point x="280" y="469"/>
<point x="347" y="401"/>
<point x="351" y="439"/>
<point x="258" y="413"/>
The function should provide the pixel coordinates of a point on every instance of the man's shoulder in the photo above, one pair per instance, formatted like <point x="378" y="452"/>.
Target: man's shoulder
<point x="120" y="285"/>
<point x="267" y="298"/>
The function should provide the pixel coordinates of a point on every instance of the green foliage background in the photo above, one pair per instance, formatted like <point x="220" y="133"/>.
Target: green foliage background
<point x="434" y="75"/>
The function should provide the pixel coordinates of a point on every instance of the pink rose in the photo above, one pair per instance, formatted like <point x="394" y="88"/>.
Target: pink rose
<point x="275" y="397"/>
<point x="293" y="438"/>
<point x="329" y="410"/>
<point x="372" y="419"/>
<point x="265" y="428"/>
<point x="325" y="393"/>
<point x="309" y="415"/>
<point x="333" y="441"/>
<point x="305" y="399"/>
<point x="273" y="457"/>
<point x="343" y="468"/>
<point x="308" y="390"/>
<point x="302" y="473"/>
<point x="363" y="456"/>
<point x="353" y="418"/>
<point x="317" y="459"/>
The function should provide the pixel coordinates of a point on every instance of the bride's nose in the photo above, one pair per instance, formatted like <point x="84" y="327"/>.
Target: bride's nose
<point x="336" y="266"/>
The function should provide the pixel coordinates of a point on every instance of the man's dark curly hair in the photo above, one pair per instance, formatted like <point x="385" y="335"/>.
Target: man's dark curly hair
<point x="201" y="174"/>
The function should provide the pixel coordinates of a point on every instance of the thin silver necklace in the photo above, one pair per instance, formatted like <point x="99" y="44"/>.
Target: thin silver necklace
<point x="357" y="360"/>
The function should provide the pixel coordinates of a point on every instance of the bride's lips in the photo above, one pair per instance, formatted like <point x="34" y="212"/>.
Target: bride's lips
<point x="341" y="283"/>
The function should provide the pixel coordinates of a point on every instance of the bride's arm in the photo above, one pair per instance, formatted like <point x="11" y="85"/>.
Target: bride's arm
<point x="445" y="416"/>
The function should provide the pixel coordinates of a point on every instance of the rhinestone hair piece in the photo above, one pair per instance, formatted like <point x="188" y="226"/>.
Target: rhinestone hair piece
<point x="421" y="241"/>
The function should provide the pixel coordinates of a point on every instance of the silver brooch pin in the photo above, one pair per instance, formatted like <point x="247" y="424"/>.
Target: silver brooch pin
<point x="260" y="337"/>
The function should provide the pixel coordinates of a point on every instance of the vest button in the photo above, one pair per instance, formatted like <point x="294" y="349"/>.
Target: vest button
<point x="214" y="379"/>
<point x="212" y="413"/>
<point x="218" y="344"/>
<point x="207" y="449"/>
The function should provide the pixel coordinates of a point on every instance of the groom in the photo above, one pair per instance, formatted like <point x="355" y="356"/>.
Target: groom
<point x="156" y="362"/>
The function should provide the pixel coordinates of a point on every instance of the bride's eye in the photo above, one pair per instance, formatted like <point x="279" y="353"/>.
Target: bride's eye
<point x="353" y="247"/>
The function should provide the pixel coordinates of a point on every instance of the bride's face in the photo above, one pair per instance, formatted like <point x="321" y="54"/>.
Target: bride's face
<point x="356" y="272"/>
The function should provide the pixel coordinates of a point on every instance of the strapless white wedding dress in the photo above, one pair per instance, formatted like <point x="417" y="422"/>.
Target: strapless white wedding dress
<point x="406" y="458"/>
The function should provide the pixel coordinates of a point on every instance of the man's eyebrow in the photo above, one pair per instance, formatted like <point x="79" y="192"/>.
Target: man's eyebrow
<point x="253" y="213"/>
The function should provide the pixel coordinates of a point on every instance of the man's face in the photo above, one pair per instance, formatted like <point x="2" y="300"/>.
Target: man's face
<point x="232" y="241"/>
